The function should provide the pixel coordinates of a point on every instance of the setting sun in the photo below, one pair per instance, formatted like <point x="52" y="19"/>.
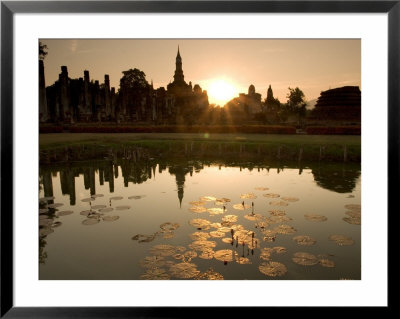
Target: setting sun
<point x="221" y="91"/>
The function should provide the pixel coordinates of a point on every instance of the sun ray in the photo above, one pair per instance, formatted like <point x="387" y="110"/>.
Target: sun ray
<point x="221" y="91"/>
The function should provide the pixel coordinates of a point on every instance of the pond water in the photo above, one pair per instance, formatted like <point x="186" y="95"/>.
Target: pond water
<point x="181" y="219"/>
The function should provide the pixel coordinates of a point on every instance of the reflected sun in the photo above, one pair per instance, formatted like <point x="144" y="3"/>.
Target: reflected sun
<point x="221" y="91"/>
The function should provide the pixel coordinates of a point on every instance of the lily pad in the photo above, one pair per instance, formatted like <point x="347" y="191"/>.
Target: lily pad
<point x="99" y="207"/>
<point x="241" y="206"/>
<point x="197" y="203"/>
<point x="97" y="195"/>
<point x="342" y="240"/>
<point x="208" y="198"/>
<point x="277" y="212"/>
<point x="169" y="226"/>
<point x="279" y="250"/>
<point x="43" y="210"/>
<point x="242" y="260"/>
<point x="217" y="234"/>
<point x="45" y="231"/>
<point x="155" y="274"/>
<point x="279" y="219"/>
<point x="152" y="262"/>
<point x="45" y="222"/>
<point x="65" y="213"/>
<point x="290" y="199"/>
<point x="304" y="240"/>
<point x="224" y="255"/>
<point x="56" y="224"/>
<point x="178" y="256"/>
<point x="285" y="229"/>
<point x="315" y="218"/>
<point x="144" y="238"/>
<point x="248" y="196"/>
<point x="106" y="210"/>
<point x="261" y="224"/>
<point x="227" y="240"/>
<point x="116" y="198"/>
<point x="278" y="203"/>
<point x="55" y="205"/>
<point x="230" y="218"/>
<point x="202" y="245"/>
<point x="200" y="223"/>
<point x="215" y="211"/>
<point x="353" y="214"/>
<point x="184" y="270"/>
<point x="354" y="207"/>
<point x="273" y="269"/>
<point x="352" y="220"/>
<point x="209" y="275"/>
<point x="199" y="236"/>
<point x="46" y="199"/>
<point x="305" y="259"/>
<point x="91" y="221"/>
<point x="207" y="254"/>
<point x="169" y="235"/>
<point x="162" y="250"/>
<point x="110" y="218"/>
<point x="266" y="253"/>
<point x="189" y="255"/>
<point x="122" y="207"/>
<point x="271" y="195"/>
<point x="87" y="212"/>
<point x="261" y="188"/>
<point x="135" y="197"/>
<point x="90" y="199"/>
<point x="326" y="263"/>
<point x="253" y="217"/>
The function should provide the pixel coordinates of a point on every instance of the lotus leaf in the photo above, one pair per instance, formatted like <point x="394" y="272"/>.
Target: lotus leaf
<point x="198" y="209"/>
<point x="207" y="254"/>
<point x="99" y="206"/>
<point x="122" y="207"/>
<point x="352" y="220"/>
<point x="215" y="211"/>
<point x="305" y="259"/>
<point x="162" y="250"/>
<point x="116" y="198"/>
<point x="208" y="198"/>
<point x="197" y="203"/>
<point x="248" y="196"/>
<point x="91" y="221"/>
<point x="110" y="218"/>
<point x="199" y="236"/>
<point x="230" y="218"/>
<point x="45" y="231"/>
<point x="290" y="199"/>
<point x="285" y="229"/>
<point x="90" y="199"/>
<point x="304" y="240"/>
<point x="155" y="274"/>
<point x="200" y="223"/>
<point x="224" y="255"/>
<point x="315" y="218"/>
<point x="106" y="210"/>
<point x="202" y="244"/>
<point x="65" y="213"/>
<point x="152" y="262"/>
<point x="184" y="270"/>
<point x="326" y="263"/>
<point x="271" y="195"/>
<point x="273" y="269"/>
<point x="277" y="212"/>
<point x="241" y="206"/>
<point x="261" y="188"/>
<point x="209" y="275"/>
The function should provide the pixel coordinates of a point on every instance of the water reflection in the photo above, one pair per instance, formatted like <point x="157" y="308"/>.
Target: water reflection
<point x="340" y="178"/>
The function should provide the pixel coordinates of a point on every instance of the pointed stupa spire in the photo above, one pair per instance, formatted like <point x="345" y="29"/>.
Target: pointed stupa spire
<point x="178" y="55"/>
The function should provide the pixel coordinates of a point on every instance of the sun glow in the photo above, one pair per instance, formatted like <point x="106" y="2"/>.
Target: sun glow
<point x="221" y="91"/>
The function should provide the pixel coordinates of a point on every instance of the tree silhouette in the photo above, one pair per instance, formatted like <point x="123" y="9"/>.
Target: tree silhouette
<point x="296" y="102"/>
<point x="42" y="51"/>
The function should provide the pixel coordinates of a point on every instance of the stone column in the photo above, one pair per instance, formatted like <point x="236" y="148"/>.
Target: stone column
<point x="43" y="110"/>
<point x="88" y="104"/>
<point x="107" y="99"/>
<point x="66" y="111"/>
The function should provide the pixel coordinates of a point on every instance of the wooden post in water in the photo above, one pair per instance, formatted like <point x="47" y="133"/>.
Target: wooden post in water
<point x="345" y="153"/>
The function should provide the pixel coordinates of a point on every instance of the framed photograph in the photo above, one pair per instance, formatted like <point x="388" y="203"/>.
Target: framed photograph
<point x="164" y="155"/>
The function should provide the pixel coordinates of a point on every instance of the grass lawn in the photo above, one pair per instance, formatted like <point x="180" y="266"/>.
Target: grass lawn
<point x="66" y="139"/>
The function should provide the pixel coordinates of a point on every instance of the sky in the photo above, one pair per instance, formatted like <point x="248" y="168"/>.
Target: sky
<point x="229" y="65"/>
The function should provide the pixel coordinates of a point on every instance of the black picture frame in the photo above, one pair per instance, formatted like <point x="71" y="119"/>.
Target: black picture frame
<point x="9" y="8"/>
